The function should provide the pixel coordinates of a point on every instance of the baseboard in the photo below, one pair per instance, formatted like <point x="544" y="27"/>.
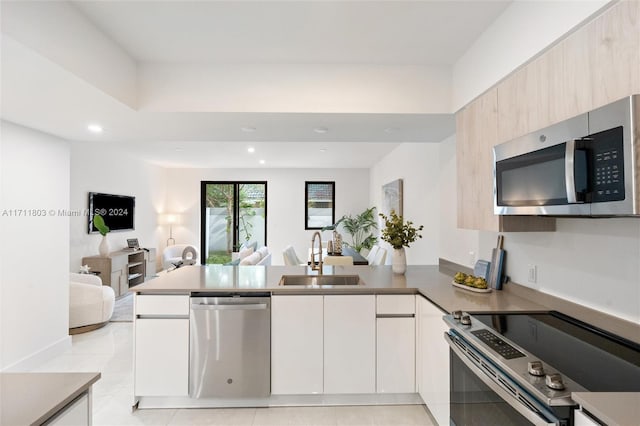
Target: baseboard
<point x="38" y="358"/>
<point x="317" y="400"/>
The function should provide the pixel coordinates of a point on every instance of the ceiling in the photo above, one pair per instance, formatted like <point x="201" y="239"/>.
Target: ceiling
<point x="381" y="32"/>
<point x="39" y="93"/>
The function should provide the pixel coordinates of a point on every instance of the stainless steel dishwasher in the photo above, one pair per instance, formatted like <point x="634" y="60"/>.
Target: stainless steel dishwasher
<point x="230" y="348"/>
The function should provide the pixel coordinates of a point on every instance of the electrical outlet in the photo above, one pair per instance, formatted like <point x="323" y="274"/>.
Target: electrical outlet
<point x="472" y="258"/>
<point x="533" y="274"/>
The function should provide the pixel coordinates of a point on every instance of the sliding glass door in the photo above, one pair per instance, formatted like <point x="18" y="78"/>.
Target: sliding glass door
<point x="231" y="213"/>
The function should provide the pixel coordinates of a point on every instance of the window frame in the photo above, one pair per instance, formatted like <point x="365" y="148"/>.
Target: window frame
<point x="306" y="202"/>
<point x="236" y="211"/>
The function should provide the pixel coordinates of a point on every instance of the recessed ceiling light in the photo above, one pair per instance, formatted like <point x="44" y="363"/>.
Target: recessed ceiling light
<point x="391" y="129"/>
<point x="323" y="149"/>
<point x="94" y="128"/>
<point x="262" y="161"/>
<point x="248" y="129"/>
<point x="179" y="149"/>
<point x="321" y="130"/>
<point x="251" y="150"/>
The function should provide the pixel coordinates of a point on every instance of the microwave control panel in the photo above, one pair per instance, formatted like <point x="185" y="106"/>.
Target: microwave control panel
<point x="607" y="177"/>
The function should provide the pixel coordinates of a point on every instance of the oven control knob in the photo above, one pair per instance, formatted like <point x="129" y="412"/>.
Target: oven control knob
<point x="554" y="381"/>
<point x="456" y="315"/>
<point x="535" y="368"/>
<point x="465" y="320"/>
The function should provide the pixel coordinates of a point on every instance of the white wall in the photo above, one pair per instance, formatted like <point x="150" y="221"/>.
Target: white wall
<point x="327" y="88"/>
<point x="34" y="246"/>
<point x="96" y="168"/>
<point x="285" y="201"/>
<point x="593" y="262"/>
<point x="60" y="32"/>
<point x="417" y="164"/>
<point x="523" y="30"/>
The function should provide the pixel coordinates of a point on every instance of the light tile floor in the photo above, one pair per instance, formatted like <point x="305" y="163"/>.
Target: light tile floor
<point x="109" y="350"/>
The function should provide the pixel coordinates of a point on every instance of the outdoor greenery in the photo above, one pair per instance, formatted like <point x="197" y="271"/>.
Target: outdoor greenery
<point x="360" y="228"/>
<point x="222" y="195"/>
<point x="218" y="257"/>
<point x="397" y="232"/>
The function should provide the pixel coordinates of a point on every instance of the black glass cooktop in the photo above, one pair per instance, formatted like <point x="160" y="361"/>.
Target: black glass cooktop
<point x="597" y="360"/>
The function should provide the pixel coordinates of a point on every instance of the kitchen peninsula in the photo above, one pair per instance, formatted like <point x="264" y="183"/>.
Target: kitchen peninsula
<point x="309" y="322"/>
<point x="432" y="282"/>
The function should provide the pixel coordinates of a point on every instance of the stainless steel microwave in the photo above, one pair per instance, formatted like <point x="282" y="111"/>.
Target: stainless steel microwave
<point x="584" y="166"/>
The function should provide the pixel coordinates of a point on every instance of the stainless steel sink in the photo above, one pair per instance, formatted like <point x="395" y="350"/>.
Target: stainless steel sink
<point x="320" y="280"/>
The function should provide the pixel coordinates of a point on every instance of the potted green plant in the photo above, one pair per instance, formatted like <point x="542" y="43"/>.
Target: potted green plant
<point x="399" y="234"/>
<point x="360" y="228"/>
<point x="103" y="229"/>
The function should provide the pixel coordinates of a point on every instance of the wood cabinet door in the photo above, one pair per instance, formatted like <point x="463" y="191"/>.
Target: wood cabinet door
<point x="519" y="106"/>
<point x="614" y="41"/>
<point x="476" y="132"/>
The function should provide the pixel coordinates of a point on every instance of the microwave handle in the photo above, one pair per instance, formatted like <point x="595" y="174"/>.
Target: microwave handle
<point x="569" y="171"/>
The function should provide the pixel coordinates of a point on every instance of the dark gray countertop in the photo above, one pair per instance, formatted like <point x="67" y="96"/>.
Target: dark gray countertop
<point x="433" y="282"/>
<point x="425" y="280"/>
<point x="32" y="398"/>
<point x="613" y="408"/>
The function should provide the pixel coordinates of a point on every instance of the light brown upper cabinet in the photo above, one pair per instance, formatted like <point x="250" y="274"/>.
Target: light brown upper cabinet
<point x="614" y="43"/>
<point x="476" y="133"/>
<point x="595" y="65"/>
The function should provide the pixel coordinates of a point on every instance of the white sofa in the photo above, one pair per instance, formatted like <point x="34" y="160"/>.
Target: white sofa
<point x="90" y="303"/>
<point x="260" y="257"/>
<point x="177" y="253"/>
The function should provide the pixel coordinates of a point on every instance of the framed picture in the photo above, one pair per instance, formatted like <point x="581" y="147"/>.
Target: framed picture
<point x="392" y="197"/>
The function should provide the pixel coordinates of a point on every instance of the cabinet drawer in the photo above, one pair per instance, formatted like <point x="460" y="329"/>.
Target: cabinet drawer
<point x="396" y="304"/>
<point x="162" y="304"/>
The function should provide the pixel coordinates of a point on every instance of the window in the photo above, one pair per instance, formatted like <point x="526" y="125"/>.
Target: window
<point x="231" y="213"/>
<point x="319" y="204"/>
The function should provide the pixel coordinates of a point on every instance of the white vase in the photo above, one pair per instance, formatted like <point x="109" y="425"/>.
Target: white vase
<point x="399" y="265"/>
<point x="104" y="248"/>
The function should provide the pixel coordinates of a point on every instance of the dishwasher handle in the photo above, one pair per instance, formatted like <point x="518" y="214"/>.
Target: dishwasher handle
<point x="235" y="307"/>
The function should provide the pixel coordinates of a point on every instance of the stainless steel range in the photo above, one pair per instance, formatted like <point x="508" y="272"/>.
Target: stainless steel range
<point x="512" y="369"/>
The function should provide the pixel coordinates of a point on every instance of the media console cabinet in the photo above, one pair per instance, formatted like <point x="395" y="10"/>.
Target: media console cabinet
<point x="124" y="268"/>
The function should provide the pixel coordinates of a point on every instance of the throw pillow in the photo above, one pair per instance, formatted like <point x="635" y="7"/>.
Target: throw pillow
<point x="252" y="259"/>
<point x="245" y="252"/>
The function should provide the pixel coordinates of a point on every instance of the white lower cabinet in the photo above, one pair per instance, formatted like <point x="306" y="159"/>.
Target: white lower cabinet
<point x="396" y="355"/>
<point x="349" y="344"/>
<point x="395" y="343"/>
<point x="161" y="361"/>
<point x="75" y="414"/>
<point x="581" y="419"/>
<point x="433" y="360"/>
<point x="296" y="345"/>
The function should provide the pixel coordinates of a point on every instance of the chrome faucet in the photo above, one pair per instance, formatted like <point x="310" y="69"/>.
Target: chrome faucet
<point x="318" y="266"/>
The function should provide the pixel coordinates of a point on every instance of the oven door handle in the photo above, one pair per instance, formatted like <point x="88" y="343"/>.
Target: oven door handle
<point x="530" y="415"/>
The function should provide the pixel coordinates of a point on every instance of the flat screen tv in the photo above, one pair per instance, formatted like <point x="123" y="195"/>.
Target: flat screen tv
<point x="116" y="210"/>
